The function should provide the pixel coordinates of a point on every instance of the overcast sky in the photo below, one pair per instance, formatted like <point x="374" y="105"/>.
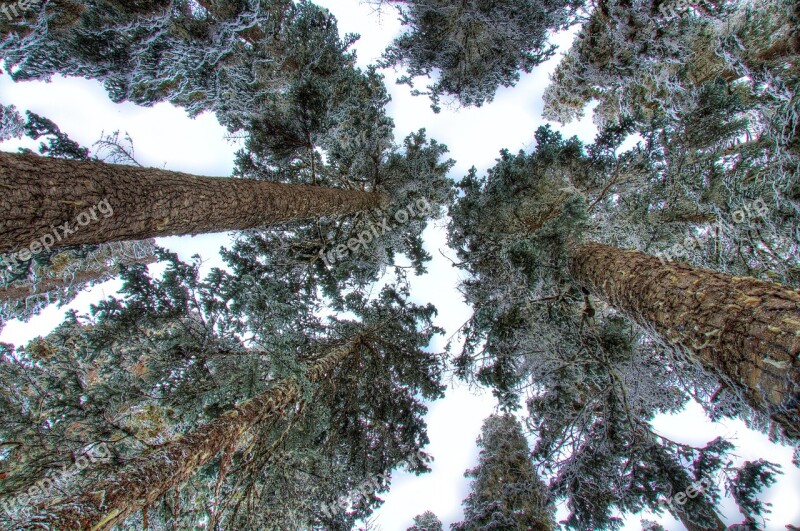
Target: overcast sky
<point x="165" y="137"/>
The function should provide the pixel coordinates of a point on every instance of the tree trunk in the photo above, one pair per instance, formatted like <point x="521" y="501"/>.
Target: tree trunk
<point x="690" y="524"/>
<point x="745" y="330"/>
<point x="65" y="202"/>
<point x="45" y="285"/>
<point x="144" y="480"/>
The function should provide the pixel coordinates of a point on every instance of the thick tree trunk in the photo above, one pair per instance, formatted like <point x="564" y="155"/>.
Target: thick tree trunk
<point x="143" y="481"/>
<point x="45" y="285"/>
<point x="745" y="330"/>
<point x="64" y="202"/>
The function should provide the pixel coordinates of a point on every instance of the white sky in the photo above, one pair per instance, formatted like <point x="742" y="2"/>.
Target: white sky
<point x="165" y="137"/>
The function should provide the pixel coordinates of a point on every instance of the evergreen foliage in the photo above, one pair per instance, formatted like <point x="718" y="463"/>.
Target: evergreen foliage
<point x="11" y="123"/>
<point x="506" y="490"/>
<point x="593" y="381"/>
<point x="307" y="114"/>
<point x="426" y="521"/>
<point x="59" y="144"/>
<point x="708" y="89"/>
<point x="170" y="355"/>
<point x="473" y="48"/>
<point x="344" y="139"/>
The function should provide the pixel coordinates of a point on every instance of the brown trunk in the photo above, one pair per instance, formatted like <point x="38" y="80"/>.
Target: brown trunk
<point x="15" y="293"/>
<point x="745" y="330"/>
<point x="690" y="525"/>
<point x="144" y="480"/>
<point x="698" y="218"/>
<point x="68" y="202"/>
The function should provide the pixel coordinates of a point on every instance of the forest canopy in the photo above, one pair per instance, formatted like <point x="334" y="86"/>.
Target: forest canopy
<point x="611" y="281"/>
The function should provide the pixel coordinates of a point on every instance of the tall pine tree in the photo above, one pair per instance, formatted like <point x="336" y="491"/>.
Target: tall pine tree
<point x="506" y="490"/>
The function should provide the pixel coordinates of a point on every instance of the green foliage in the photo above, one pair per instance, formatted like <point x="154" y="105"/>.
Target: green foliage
<point x="511" y="230"/>
<point x="633" y="58"/>
<point x="231" y="60"/>
<point x="748" y="481"/>
<point x="426" y="521"/>
<point x="59" y="145"/>
<point x="593" y="381"/>
<point x="58" y="277"/>
<point x="174" y="51"/>
<point x="11" y="123"/>
<point x="506" y="492"/>
<point x="355" y="137"/>
<point x="180" y="351"/>
<point x="712" y="92"/>
<point x="474" y="47"/>
<point x="350" y="431"/>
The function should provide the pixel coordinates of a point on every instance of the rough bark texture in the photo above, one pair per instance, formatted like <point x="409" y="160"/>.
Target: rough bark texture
<point x="40" y="195"/>
<point x="21" y="292"/>
<point x="745" y="330"/>
<point x="140" y="483"/>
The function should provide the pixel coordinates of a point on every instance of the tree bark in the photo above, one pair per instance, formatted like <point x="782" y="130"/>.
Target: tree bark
<point x="691" y="525"/>
<point x="64" y="201"/>
<point x="23" y="291"/>
<point x="745" y="330"/>
<point x="144" y="480"/>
